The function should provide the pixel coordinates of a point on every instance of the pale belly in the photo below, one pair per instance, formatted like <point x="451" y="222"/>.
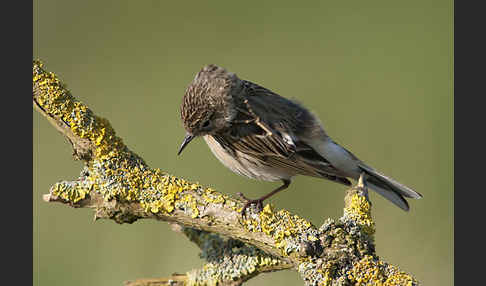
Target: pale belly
<point x="245" y="165"/>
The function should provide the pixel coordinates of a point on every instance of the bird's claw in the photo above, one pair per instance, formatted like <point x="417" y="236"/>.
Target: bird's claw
<point x="249" y="202"/>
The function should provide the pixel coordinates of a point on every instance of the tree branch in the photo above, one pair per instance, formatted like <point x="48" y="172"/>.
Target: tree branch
<point x="119" y="185"/>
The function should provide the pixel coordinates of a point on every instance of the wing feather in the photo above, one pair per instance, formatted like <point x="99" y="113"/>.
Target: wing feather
<point x="262" y="130"/>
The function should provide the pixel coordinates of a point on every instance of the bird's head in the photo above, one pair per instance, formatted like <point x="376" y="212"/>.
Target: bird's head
<point x="207" y="107"/>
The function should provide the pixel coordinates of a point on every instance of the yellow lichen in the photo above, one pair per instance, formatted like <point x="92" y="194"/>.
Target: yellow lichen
<point x="114" y="171"/>
<point x="210" y="196"/>
<point x="371" y="271"/>
<point x="55" y="99"/>
<point x="283" y="227"/>
<point x="70" y="192"/>
<point x="327" y="271"/>
<point x="358" y="208"/>
<point x="192" y="203"/>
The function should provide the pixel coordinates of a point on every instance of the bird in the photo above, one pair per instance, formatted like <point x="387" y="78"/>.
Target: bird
<point x="261" y="135"/>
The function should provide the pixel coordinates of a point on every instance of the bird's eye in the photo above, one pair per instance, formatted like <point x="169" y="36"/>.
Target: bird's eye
<point x="205" y="124"/>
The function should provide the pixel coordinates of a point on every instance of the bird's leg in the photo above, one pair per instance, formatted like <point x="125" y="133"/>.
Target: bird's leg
<point x="259" y="201"/>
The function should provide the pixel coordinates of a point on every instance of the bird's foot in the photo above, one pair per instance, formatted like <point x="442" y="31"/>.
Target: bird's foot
<point x="249" y="202"/>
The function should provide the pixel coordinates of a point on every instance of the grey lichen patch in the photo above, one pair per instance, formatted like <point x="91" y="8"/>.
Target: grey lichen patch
<point x="288" y="231"/>
<point x="342" y="247"/>
<point x="166" y="193"/>
<point x="345" y="243"/>
<point x="312" y="273"/>
<point x="228" y="259"/>
<point x="130" y="179"/>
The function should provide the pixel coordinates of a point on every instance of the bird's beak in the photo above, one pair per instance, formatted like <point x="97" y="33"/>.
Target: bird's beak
<point x="186" y="141"/>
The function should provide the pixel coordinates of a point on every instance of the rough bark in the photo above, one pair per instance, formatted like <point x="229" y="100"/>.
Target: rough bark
<point x="119" y="185"/>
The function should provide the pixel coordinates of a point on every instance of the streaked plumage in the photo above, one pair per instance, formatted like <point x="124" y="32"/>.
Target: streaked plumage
<point x="262" y="135"/>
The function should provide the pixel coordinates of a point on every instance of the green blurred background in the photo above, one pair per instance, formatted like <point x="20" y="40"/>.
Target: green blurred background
<point x="377" y="73"/>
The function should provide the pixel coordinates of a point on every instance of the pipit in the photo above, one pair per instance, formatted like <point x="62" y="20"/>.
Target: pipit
<point x="262" y="135"/>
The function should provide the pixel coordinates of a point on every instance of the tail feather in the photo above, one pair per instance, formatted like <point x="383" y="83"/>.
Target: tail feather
<point x="392" y="196"/>
<point x="394" y="185"/>
<point x="389" y="188"/>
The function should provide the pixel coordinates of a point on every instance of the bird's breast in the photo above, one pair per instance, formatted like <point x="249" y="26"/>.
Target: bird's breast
<point x="244" y="164"/>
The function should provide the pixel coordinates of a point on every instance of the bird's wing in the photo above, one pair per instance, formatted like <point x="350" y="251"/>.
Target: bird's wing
<point x="265" y="128"/>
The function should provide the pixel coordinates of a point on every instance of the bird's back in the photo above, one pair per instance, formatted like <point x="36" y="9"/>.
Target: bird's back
<point x="268" y="138"/>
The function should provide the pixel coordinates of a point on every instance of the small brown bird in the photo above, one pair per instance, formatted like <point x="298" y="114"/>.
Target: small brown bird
<point x="262" y="135"/>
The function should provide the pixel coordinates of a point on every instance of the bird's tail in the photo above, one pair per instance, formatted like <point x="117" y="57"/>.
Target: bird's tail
<point x="388" y="188"/>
